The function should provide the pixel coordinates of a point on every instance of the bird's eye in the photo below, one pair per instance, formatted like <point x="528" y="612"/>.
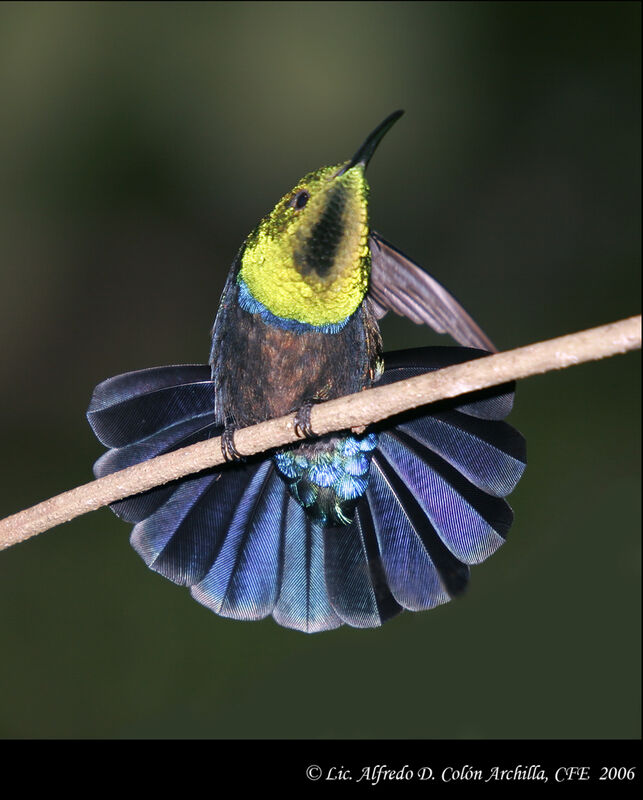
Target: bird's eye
<point x="300" y="200"/>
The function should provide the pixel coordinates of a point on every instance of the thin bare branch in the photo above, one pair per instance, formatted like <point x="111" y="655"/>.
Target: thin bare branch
<point x="354" y="411"/>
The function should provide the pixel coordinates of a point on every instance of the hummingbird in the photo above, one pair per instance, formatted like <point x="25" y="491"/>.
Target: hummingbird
<point x="350" y="528"/>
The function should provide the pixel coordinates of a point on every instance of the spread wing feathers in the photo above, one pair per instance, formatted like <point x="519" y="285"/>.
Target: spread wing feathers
<point x="399" y="285"/>
<point x="247" y="549"/>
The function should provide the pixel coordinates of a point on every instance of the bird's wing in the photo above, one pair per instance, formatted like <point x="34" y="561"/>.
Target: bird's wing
<point x="400" y="285"/>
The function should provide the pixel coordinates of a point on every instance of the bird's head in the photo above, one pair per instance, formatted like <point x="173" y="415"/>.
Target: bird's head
<point x="309" y="259"/>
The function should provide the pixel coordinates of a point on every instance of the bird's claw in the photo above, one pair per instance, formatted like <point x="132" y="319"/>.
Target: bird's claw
<point x="303" y="427"/>
<point x="230" y="452"/>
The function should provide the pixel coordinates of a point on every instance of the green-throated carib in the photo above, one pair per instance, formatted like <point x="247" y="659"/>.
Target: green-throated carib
<point x="349" y="528"/>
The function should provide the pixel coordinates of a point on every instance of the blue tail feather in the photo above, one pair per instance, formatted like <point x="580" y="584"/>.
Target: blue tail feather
<point x="406" y="534"/>
<point x="471" y="523"/>
<point x="179" y="540"/>
<point x="242" y="582"/>
<point x="355" y="576"/>
<point x="187" y="432"/>
<point x="144" y="414"/>
<point x="303" y="602"/>
<point x="247" y="549"/>
<point x="131" y="407"/>
<point x="411" y="573"/>
<point x="491" y="455"/>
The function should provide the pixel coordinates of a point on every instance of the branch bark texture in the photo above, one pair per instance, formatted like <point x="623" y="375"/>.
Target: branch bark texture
<point x="353" y="411"/>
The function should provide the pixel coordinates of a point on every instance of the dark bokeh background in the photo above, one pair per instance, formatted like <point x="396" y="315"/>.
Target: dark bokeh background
<point x="139" y="144"/>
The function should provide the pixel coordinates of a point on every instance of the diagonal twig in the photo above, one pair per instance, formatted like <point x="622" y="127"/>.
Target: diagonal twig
<point x="353" y="411"/>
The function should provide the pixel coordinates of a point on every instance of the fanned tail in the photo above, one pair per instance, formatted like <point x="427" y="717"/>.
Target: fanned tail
<point x="247" y="549"/>
<point x="140" y="415"/>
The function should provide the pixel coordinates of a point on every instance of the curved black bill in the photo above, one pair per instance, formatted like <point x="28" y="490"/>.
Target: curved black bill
<point x="363" y="155"/>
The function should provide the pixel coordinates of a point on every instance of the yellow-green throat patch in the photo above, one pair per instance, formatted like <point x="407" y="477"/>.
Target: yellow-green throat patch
<point x="309" y="259"/>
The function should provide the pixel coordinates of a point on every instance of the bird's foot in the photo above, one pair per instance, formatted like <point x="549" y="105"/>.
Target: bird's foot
<point x="230" y="452"/>
<point x="303" y="427"/>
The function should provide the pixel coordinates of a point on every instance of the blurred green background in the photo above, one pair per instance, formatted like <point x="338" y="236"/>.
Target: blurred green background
<point x="139" y="144"/>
